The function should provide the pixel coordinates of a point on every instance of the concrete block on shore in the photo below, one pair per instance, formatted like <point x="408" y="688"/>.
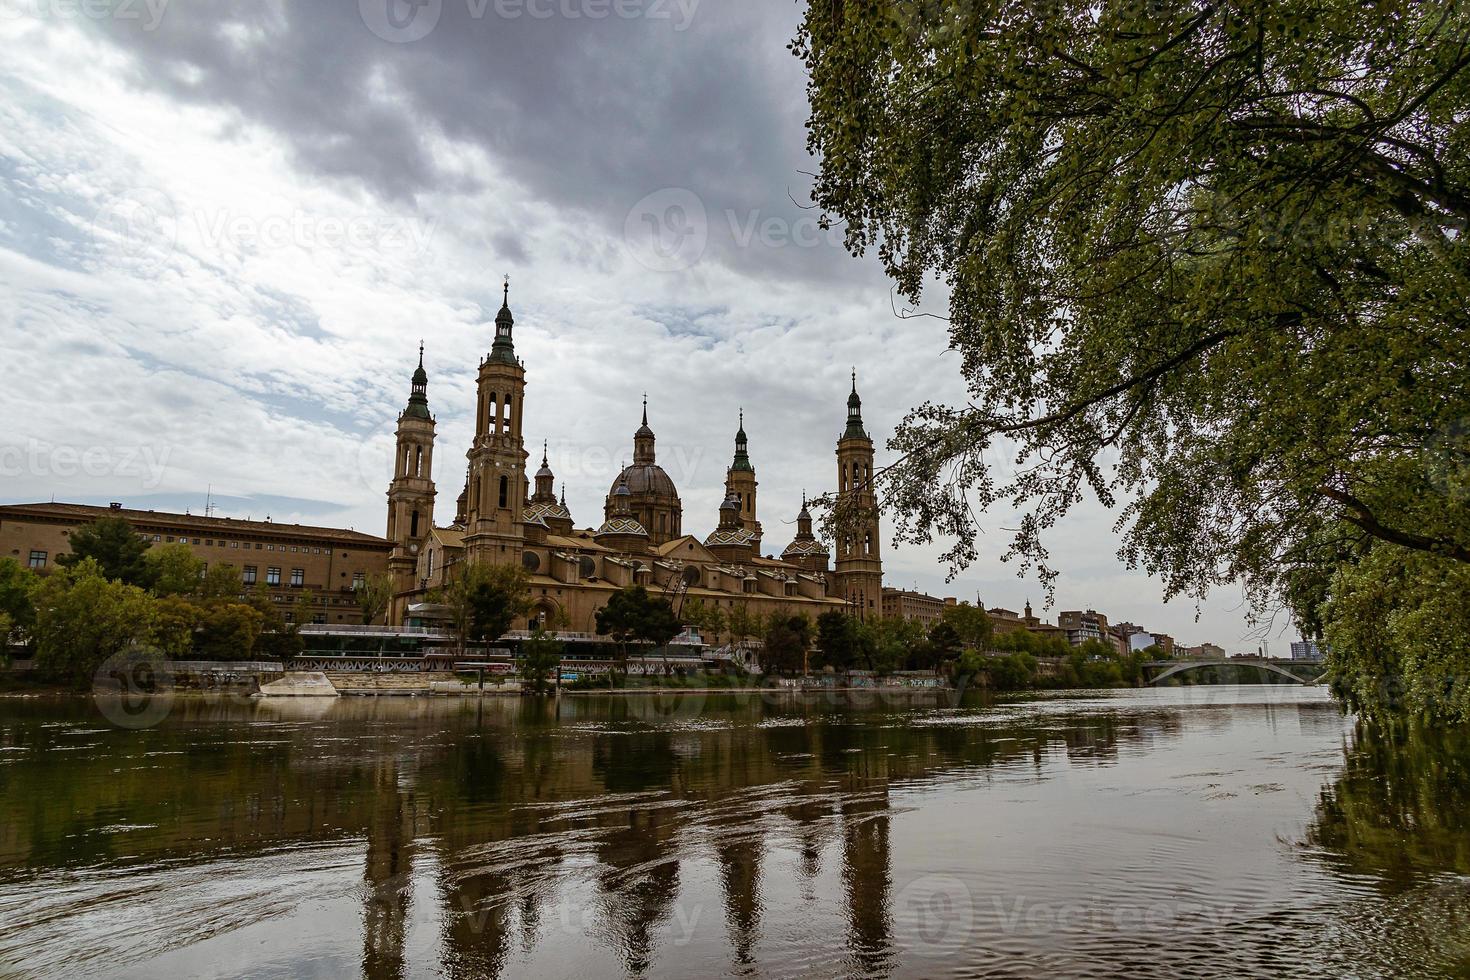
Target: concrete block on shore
<point x="299" y="684"/>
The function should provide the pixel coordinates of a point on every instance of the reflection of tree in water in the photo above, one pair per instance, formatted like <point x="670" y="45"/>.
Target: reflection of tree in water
<point x="1398" y="811"/>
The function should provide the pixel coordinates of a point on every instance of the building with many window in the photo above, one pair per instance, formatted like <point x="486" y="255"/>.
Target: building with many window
<point x="905" y="604"/>
<point x="289" y="560"/>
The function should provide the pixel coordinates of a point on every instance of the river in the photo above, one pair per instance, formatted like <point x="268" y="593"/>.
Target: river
<point x="1204" y="831"/>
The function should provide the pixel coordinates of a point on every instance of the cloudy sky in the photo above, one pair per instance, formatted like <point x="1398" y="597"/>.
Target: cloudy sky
<point x="225" y="227"/>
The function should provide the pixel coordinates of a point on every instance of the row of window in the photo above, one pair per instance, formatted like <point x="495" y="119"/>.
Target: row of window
<point x="259" y="546"/>
<point x="250" y="575"/>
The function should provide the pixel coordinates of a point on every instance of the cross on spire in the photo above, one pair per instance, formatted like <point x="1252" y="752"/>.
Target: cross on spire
<point x="506" y="295"/>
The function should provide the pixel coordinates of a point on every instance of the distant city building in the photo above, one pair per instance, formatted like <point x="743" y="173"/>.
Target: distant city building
<point x="905" y="604"/>
<point x="1083" y="626"/>
<point x="286" y="559"/>
<point x="1306" y="650"/>
<point x="1004" y="620"/>
<point x="1142" y="641"/>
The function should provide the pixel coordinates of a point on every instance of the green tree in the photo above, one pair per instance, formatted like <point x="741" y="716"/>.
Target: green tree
<point x="1206" y="262"/>
<point x="540" y="655"/>
<point x="837" y="645"/>
<point x="971" y="624"/>
<point x="178" y="619"/>
<point x="1397" y="635"/>
<point x="744" y="624"/>
<point x="373" y="597"/>
<point x="83" y="618"/>
<point x="633" y="615"/>
<point x="221" y="582"/>
<point x="484" y="600"/>
<point x="16" y="585"/>
<point x="228" y="631"/>
<point x="173" y="570"/>
<point x="785" y="645"/>
<point x="944" y="644"/>
<point x="117" y="549"/>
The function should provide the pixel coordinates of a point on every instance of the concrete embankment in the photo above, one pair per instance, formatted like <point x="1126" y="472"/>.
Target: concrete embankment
<point x="299" y="684"/>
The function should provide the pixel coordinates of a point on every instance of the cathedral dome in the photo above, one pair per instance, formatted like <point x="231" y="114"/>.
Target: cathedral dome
<point x="645" y="478"/>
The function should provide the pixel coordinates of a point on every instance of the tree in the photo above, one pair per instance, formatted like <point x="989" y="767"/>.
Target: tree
<point x="784" y="650"/>
<point x="971" y="624"/>
<point x="221" y="581"/>
<point x="228" y="631"/>
<point x="944" y="645"/>
<point x="374" y="595"/>
<point x="173" y="570"/>
<point x="836" y="641"/>
<point x="117" y="549"/>
<point x="633" y="615"/>
<point x="178" y="619"/>
<point x="83" y="618"/>
<point x="540" y="655"/>
<point x="1397" y="635"/>
<point x="16" y="585"/>
<point x="484" y="600"/>
<point x="743" y="624"/>
<point x="1203" y="261"/>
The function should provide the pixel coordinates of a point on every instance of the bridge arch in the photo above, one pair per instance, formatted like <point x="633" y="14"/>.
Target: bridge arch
<point x="1171" y="669"/>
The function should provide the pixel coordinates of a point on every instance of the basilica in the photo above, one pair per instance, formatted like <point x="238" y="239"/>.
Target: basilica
<point x="506" y="516"/>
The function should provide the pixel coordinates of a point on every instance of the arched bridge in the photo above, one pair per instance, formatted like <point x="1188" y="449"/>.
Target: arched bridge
<point x="1168" y="668"/>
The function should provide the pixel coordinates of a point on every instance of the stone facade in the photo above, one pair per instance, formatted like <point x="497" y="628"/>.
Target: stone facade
<point x="904" y="604"/>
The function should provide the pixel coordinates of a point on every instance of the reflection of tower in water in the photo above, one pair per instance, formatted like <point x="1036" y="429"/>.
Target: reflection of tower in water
<point x="868" y="882"/>
<point x="388" y="876"/>
<point x="740" y="872"/>
<point x="639" y="881"/>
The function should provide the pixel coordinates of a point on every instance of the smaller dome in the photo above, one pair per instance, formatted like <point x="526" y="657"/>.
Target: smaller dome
<point x="803" y="549"/>
<point x="545" y="471"/>
<point x="729" y="536"/>
<point x="621" y="524"/>
<point x="551" y="511"/>
<point x="730" y="506"/>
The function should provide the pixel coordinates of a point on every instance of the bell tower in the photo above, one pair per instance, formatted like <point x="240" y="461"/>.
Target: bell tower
<point x="859" y="567"/>
<point x="497" y="456"/>
<point x="411" y="494"/>
<point x="740" y="483"/>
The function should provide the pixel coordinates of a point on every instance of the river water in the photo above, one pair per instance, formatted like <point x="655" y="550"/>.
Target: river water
<point x="1206" y="831"/>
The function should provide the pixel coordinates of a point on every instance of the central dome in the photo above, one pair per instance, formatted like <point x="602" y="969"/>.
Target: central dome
<point x="646" y="490"/>
<point x="645" y="478"/>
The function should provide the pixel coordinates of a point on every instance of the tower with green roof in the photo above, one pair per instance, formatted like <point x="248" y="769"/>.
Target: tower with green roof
<point x="411" y="492"/>
<point x="740" y="484"/>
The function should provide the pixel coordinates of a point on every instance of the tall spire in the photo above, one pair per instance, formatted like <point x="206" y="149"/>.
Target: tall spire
<point x="855" y="428"/>
<point x="504" y="347"/>
<point x="643" y="440"/>
<point x="418" y="392"/>
<point x="742" y="454"/>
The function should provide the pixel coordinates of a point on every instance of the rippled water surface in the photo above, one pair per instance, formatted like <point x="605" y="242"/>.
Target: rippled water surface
<point x="1181" y="832"/>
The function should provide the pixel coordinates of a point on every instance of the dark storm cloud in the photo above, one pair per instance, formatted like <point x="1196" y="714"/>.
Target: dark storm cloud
<point x="587" y="104"/>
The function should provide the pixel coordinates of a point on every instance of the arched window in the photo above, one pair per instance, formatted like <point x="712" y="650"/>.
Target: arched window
<point x="507" y="411"/>
<point x="418" y="461"/>
<point x="868" y="543"/>
<point x="431" y="563"/>
<point x="504" y="492"/>
<point x="413" y="525"/>
<point x="495" y="411"/>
